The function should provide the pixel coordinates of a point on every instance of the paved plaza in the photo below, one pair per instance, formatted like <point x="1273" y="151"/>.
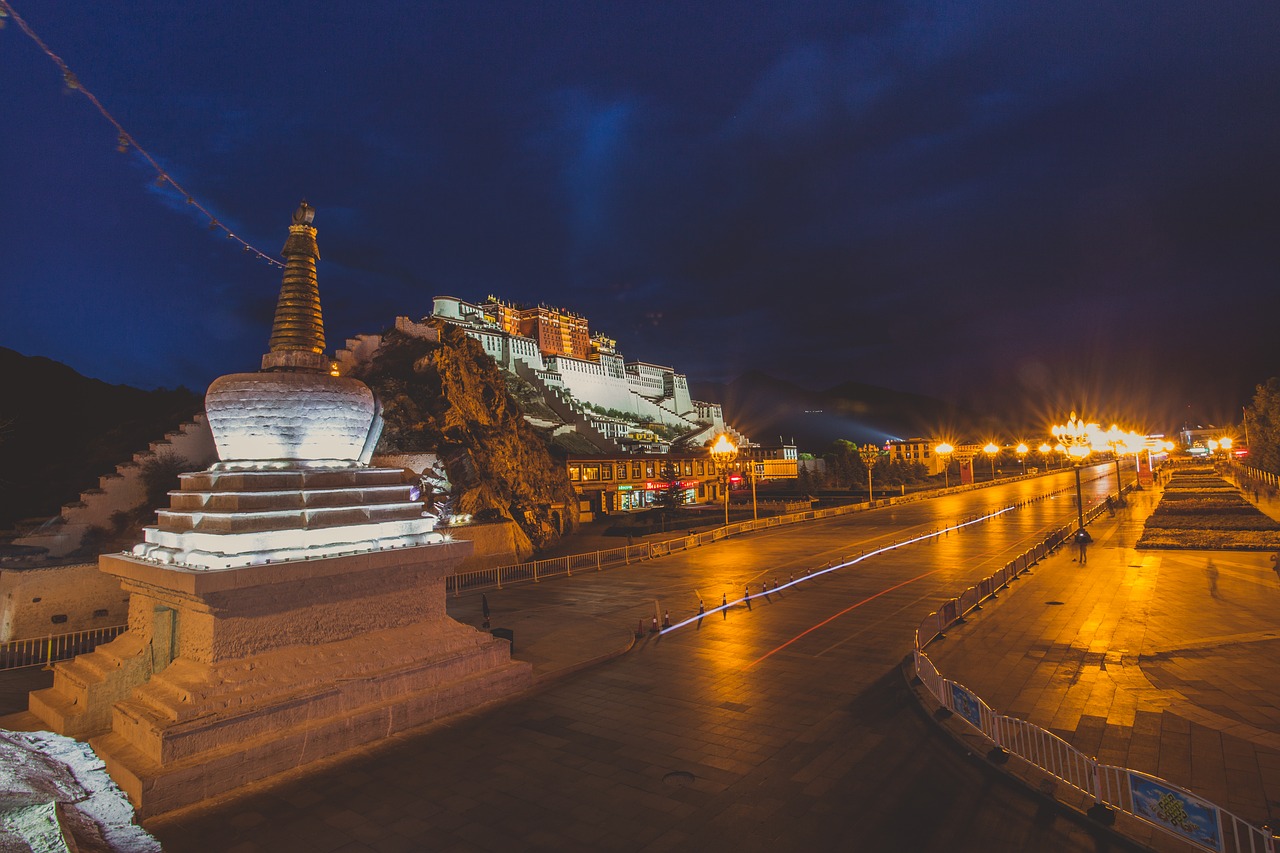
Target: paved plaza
<point x="1161" y="661"/>
<point x="790" y="725"/>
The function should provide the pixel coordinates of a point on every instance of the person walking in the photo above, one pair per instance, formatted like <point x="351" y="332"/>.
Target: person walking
<point x="484" y="608"/>
<point x="746" y="596"/>
<point x="1082" y="540"/>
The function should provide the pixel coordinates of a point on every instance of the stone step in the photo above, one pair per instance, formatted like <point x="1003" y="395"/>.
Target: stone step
<point x="189" y="500"/>
<point x="285" y="519"/>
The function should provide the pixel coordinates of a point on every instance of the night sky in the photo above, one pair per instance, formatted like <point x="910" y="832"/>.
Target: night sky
<point x="1014" y="205"/>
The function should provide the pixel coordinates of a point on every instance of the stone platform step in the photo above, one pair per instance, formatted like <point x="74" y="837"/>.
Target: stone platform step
<point x="226" y="766"/>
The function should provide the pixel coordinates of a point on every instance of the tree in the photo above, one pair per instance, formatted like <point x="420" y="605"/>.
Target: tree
<point x="844" y="468"/>
<point x="673" y="494"/>
<point x="1262" y="425"/>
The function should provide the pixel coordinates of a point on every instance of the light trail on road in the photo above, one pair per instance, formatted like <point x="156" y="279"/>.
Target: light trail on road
<point x="868" y="555"/>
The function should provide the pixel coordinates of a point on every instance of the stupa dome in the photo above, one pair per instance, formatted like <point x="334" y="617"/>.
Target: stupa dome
<point x="293" y="416"/>
<point x="293" y="411"/>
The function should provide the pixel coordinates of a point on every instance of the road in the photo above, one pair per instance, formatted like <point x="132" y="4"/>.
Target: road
<point x="787" y="726"/>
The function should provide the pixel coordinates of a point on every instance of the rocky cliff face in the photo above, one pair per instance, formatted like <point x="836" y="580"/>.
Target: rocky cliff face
<point x="450" y="397"/>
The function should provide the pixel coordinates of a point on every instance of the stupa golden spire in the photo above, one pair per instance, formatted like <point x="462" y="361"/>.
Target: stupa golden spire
<point x="297" y="334"/>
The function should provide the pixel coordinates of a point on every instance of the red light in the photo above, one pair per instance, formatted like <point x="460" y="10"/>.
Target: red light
<point x="735" y="478"/>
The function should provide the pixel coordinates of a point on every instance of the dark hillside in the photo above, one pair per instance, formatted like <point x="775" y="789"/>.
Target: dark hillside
<point x="60" y="431"/>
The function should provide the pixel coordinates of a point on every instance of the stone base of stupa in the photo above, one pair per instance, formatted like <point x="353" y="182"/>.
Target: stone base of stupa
<point x="226" y="678"/>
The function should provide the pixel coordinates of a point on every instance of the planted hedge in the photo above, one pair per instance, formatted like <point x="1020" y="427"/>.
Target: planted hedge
<point x="1201" y="511"/>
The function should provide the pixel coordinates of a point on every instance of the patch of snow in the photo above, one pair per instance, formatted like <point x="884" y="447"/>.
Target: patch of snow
<point x="53" y="786"/>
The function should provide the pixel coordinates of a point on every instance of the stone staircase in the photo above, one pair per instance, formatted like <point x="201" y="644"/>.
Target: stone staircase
<point x="84" y="689"/>
<point x="567" y="409"/>
<point x="677" y="419"/>
<point x="121" y="490"/>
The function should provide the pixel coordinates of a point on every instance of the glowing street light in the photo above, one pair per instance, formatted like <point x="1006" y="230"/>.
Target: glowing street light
<point x="992" y="450"/>
<point x="869" y="454"/>
<point x="945" y="450"/>
<point x="723" y="452"/>
<point x="1045" y="450"/>
<point x="1076" y="438"/>
<point x="1022" y="450"/>
<point x="1117" y="439"/>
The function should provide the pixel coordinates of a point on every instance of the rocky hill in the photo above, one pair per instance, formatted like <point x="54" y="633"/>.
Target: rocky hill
<point x="59" y="431"/>
<point x="450" y="397"/>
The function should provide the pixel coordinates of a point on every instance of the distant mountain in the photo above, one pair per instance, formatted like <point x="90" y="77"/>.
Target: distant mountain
<point x="767" y="408"/>
<point x="60" y="431"/>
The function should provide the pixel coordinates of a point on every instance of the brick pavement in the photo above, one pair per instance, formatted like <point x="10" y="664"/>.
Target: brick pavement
<point x="1125" y="710"/>
<point x="1162" y="661"/>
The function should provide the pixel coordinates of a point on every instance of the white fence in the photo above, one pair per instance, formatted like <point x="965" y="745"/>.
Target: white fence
<point x="42" y="651"/>
<point x="1159" y="803"/>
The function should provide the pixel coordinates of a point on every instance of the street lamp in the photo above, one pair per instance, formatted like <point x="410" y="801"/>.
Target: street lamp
<point x="869" y="454"/>
<point x="1022" y="450"/>
<point x="992" y="450"/>
<point x="1117" y="440"/>
<point x="723" y="452"/>
<point x="1076" y="438"/>
<point x="1045" y="450"/>
<point x="945" y="450"/>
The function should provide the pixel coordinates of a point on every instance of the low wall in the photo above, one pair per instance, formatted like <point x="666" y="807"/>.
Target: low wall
<point x="59" y="600"/>
<point x="497" y="543"/>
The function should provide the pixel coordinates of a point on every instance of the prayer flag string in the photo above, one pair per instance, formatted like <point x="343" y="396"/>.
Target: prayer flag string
<point x="124" y="139"/>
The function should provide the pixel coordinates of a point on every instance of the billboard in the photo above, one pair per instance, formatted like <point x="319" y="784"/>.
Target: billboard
<point x="1176" y="811"/>
<point x="966" y="705"/>
<point x="1145" y="477"/>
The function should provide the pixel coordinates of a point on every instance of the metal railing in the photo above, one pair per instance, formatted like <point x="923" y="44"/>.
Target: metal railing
<point x="42" y="651"/>
<point x="1264" y="477"/>
<point x="534" y="571"/>
<point x="1155" y="801"/>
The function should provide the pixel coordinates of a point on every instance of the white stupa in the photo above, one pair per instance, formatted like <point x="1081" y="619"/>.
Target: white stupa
<point x="294" y="443"/>
<point x="289" y="605"/>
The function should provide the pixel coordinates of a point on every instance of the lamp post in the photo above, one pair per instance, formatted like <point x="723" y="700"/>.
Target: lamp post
<point x="869" y="454"/>
<point x="945" y="450"/>
<point x="992" y="450"/>
<point x="1117" y="440"/>
<point x="1045" y="450"/>
<point x="723" y="452"/>
<point x="1022" y="450"/>
<point x="1076" y="437"/>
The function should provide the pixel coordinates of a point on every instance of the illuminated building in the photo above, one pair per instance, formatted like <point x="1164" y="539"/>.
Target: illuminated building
<point x="623" y="482"/>
<point x="584" y="374"/>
